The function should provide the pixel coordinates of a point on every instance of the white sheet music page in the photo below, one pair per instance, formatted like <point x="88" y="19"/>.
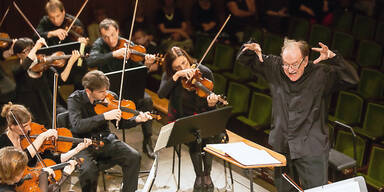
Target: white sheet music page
<point x="246" y="154"/>
<point x="164" y="135"/>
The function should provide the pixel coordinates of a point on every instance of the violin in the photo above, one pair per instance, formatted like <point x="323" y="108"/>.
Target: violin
<point x="31" y="175"/>
<point x="127" y="107"/>
<point x="202" y="86"/>
<point x="76" y="31"/>
<point x="63" y="143"/>
<point x="5" y="40"/>
<point x="57" y="59"/>
<point x="138" y="52"/>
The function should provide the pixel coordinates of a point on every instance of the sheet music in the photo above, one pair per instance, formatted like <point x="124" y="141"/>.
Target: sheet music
<point x="352" y="186"/>
<point x="163" y="138"/>
<point x="245" y="154"/>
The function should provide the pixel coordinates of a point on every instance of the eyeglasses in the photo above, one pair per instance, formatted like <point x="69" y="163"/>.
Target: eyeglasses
<point x="294" y="67"/>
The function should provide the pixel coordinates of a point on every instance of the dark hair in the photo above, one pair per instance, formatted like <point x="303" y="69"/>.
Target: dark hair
<point x="94" y="80"/>
<point x="170" y="57"/>
<point x="51" y="5"/>
<point x="104" y="24"/>
<point x="21" y="44"/>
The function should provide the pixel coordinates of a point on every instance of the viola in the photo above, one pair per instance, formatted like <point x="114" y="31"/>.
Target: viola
<point x="5" y="40"/>
<point x="138" y="52"/>
<point x="202" y="86"/>
<point x="63" y="143"/>
<point x="57" y="59"/>
<point x="127" y="107"/>
<point x="31" y="175"/>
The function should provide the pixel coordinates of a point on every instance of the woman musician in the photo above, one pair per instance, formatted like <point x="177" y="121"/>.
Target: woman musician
<point x="13" y="162"/>
<point x="12" y="134"/>
<point x="33" y="89"/>
<point x="182" y="103"/>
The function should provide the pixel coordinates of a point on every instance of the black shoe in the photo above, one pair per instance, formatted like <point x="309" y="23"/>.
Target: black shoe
<point x="148" y="149"/>
<point x="208" y="184"/>
<point x="199" y="185"/>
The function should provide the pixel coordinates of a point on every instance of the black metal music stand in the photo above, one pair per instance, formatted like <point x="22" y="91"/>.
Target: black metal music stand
<point x="196" y="128"/>
<point x="134" y="84"/>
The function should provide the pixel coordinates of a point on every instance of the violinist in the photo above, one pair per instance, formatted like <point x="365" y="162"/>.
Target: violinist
<point x="33" y="89"/>
<point x="184" y="103"/>
<point x="53" y="26"/>
<point x="86" y="123"/>
<point x="13" y="162"/>
<point x="11" y="136"/>
<point x="105" y="55"/>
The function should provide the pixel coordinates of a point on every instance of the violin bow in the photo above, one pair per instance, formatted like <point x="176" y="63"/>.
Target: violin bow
<point x="29" y="140"/>
<point x="54" y="104"/>
<point x="125" y="60"/>
<point x="5" y="14"/>
<point x="77" y="15"/>
<point x="26" y="20"/>
<point x="213" y="41"/>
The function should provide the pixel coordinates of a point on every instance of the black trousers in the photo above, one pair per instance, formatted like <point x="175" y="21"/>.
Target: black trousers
<point x="202" y="161"/>
<point x="146" y="104"/>
<point x="308" y="172"/>
<point x="114" y="153"/>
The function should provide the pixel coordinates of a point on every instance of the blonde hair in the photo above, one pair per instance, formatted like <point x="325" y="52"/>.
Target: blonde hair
<point x="21" y="113"/>
<point x="12" y="164"/>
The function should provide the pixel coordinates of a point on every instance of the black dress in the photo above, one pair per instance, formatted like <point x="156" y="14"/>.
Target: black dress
<point x="34" y="94"/>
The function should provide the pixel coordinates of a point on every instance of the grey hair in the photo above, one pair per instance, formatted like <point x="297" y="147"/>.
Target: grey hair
<point x="302" y="45"/>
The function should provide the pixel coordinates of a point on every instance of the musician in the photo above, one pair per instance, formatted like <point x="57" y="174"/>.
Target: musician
<point x="104" y="55"/>
<point x="33" y="89"/>
<point x="86" y="123"/>
<point x="301" y="91"/>
<point x="184" y="103"/>
<point x="11" y="135"/>
<point x="13" y="162"/>
<point x="52" y="27"/>
<point x="12" y="165"/>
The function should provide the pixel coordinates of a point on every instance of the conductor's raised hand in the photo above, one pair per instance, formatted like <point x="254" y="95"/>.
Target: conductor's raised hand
<point x="325" y="53"/>
<point x="254" y="47"/>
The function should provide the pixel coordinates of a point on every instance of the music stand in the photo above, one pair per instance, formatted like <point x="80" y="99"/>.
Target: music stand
<point x="134" y="84"/>
<point x="192" y="128"/>
<point x="356" y="184"/>
<point x="67" y="48"/>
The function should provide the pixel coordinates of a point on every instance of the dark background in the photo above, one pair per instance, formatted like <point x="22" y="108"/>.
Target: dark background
<point x="120" y="10"/>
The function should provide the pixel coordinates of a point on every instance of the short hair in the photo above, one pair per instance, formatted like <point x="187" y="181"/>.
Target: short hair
<point x="105" y="23"/>
<point x="19" y="111"/>
<point x="302" y="45"/>
<point x="94" y="80"/>
<point x="170" y="57"/>
<point x="52" y="5"/>
<point x="21" y="44"/>
<point x="12" y="164"/>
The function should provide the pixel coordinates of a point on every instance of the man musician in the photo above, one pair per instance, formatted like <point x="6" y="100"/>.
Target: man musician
<point x="107" y="56"/>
